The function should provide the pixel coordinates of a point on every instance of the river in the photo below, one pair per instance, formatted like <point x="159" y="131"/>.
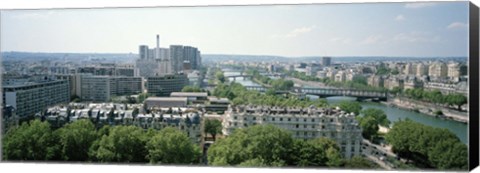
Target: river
<point x="393" y="114"/>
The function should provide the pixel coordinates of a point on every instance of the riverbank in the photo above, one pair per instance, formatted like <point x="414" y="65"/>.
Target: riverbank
<point x="428" y="110"/>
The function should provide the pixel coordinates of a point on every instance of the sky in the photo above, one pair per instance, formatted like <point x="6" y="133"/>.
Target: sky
<point x="422" y="29"/>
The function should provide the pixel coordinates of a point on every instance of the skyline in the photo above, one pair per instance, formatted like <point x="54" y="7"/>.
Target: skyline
<point x="404" y="29"/>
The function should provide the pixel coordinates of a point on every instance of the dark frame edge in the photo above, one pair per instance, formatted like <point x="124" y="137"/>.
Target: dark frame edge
<point x="473" y="132"/>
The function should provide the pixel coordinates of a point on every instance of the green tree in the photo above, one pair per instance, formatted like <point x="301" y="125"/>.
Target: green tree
<point x="121" y="144"/>
<point x="192" y="89"/>
<point x="349" y="106"/>
<point x="421" y="143"/>
<point x="142" y="97"/>
<point x="213" y="127"/>
<point x="220" y="77"/>
<point x="369" y="127"/>
<point x="449" y="154"/>
<point x="316" y="152"/>
<point x="267" y="143"/>
<point x="357" y="162"/>
<point x="378" y="114"/>
<point x="75" y="140"/>
<point x="171" y="146"/>
<point x="456" y="99"/>
<point x="31" y="141"/>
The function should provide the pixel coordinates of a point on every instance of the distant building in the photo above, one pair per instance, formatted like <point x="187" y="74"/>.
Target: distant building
<point x="438" y="69"/>
<point x="412" y="82"/>
<point x="422" y="70"/>
<point x="376" y="81"/>
<point x="394" y="82"/>
<point x="307" y="123"/>
<point x="192" y="97"/>
<point x="102" y="88"/>
<point x="143" y="51"/>
<point x="410" y="69"/>
<point x="340" y="76"/>
<point x="165" y="84"/>
<point x="31" y="96"/>
<point x="326" y="61"/>
<point x="165" y="102"/>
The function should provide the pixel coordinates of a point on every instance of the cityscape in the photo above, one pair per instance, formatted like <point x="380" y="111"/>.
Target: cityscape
<point x="182" y="103"/>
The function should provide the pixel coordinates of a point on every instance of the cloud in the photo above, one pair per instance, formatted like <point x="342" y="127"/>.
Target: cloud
<point x="295" y="32"/>
<point x="341" y="40"/>
<point x="417" y="5"/>
<point x="415" y="37"/>
<point x="299" y="31"/>
<point x="34" y="15"/>
<point x="373" y="39"/>
<point x="457" y="25"/>
<point x="400" y="18"/>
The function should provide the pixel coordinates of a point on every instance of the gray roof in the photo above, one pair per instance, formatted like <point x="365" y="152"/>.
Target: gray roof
<point x="188" y="94"/>
<point x="166" y="99"/>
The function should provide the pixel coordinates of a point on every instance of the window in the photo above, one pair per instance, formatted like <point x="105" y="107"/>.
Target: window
<point x="314" y="134"/>
<point x="264" y="119"/>
<point x="305" y="133"/>
<point x="305" y="120"/>
<point x="331" y="120"/>
<point x="273" y="119"/>
<point x="296" y="126"/>
<point x="281" y="119"/>
<point x="305" y="126"/>
<point x="298" y="133"/>
<point x="254" y="118"/>
<point x="297" y="119"/>
<point x="245" y="118"/>
<point x="234" y="124"/>
<point x="323" y="127"/>
<point x="288" y="119"/>
<point x="245" y="125"/>
<point x="313" y="119"/>
<point x="313" y="126"/>
<point x="235" y="117"/>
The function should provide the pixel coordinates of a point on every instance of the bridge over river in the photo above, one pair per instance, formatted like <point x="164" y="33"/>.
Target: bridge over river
<point x="330" y="92"/>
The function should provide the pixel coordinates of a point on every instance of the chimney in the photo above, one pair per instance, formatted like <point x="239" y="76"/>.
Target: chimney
<point x="158" y="41"/>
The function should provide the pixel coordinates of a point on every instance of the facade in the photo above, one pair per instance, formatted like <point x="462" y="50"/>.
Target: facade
<point x="143" y="51"/>
<point x="410" y="69"/>
<point x="184" y="119"/>
<point x="326" y="61"/>
<point x="111" y="70"/>
<point x="376" y="81"/>
<point x="176" y="56"/>
<point x="305" y="124"/>
<point x="28" y="98"/>
<point x="422" y="70"/>
<point x="340" y="76"/>
<point x="438" y="69"/>
<point x="165" y="84"/>
<point x="102" y="88"/>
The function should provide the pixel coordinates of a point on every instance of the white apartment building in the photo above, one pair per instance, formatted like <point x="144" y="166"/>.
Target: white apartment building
<point x="307" y="123"/>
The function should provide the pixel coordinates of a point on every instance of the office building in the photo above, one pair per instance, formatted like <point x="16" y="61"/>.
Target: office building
<point x="30" y="96"/>
<point x="102" y="88"/>
<point x="164" y="85"/>
<point x="326" y="61"/>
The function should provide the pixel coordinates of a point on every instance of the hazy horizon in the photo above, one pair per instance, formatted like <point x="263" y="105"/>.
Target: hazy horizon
<point x="434" y="29"/>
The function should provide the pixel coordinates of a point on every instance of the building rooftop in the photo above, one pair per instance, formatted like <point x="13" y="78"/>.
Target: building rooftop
<point x="166" y="99"/>
<point x="188" y="94"/>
